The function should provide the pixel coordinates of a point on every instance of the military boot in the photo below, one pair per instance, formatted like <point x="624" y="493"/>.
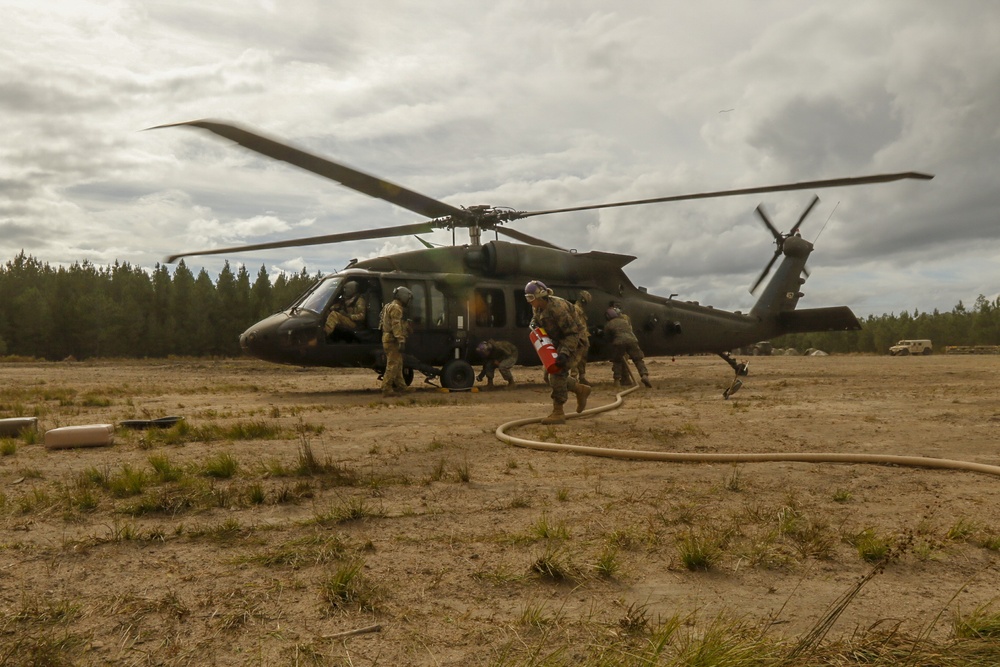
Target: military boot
<point x="557" y="416"/>
<point x="645" y="381"/>
<point x="582" y="391"/>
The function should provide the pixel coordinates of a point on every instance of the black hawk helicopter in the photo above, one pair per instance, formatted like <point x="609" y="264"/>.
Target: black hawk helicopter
<point x="466" y="294"/>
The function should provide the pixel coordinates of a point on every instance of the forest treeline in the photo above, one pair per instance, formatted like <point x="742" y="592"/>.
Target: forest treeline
<point x="85" y="311"/>
<point x="978" y="325"/>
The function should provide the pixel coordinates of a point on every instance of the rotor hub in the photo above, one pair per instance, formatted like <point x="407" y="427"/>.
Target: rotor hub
<point x="796" y="246"/>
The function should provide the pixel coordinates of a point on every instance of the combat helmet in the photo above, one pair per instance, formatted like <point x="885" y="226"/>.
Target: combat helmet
<point x="536" y="289"/>
<point x="402" y="294"/>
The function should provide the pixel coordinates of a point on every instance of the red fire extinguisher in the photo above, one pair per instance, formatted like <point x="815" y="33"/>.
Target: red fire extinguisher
<point x="545" y="349"/>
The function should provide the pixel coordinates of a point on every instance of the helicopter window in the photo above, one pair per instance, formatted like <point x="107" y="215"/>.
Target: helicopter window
<point x="522" y="310"/>
<point x="488" y="307"/>
<point x="317" y="299"/>
<point x="437" y="307"/>
<point x="417" y="310"/>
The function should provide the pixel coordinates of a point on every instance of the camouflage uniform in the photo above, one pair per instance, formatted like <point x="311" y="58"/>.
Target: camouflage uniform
<point x="348" y="314"/>
<point x="580" y="370"/>
<point x="502" y="355"/>
<point x="394" y="331"/>
<point x="564" y="328"/>
<point x="623" y="342"/>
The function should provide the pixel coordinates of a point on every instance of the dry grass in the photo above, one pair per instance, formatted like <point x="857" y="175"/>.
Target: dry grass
<point x="245" y="535"/>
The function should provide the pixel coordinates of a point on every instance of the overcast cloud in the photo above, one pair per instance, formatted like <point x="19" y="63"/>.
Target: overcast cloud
<point x="531" y="105"/>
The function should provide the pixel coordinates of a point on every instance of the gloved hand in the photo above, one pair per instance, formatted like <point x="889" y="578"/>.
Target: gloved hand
<point x="562" y="360"/>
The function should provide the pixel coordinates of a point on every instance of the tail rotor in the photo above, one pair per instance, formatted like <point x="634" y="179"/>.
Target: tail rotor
<point x="779" y="238"/>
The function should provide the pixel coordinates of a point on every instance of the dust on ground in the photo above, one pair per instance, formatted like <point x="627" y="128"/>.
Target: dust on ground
<point x="466" y="550"/>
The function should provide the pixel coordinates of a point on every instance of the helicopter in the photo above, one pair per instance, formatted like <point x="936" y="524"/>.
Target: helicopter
<point x="465" y="294"/>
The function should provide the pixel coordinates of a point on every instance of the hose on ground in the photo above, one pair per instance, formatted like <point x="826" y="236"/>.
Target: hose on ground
<point x="688" y="457"/>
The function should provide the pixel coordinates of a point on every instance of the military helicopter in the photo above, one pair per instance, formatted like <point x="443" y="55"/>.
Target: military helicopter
<point x="464" y="294"/>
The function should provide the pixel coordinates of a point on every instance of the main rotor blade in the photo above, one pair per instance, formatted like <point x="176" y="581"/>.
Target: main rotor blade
<point x="805" y="185"/>
<point x="384" y="232"/>
<point x="524" y="238"/>
<point x="347" y="176"/>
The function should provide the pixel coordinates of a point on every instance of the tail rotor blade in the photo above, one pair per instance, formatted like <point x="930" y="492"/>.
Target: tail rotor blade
<point x="767" y="270"/>
<point x="802" y="217"/>
<point x="767" y="221"/>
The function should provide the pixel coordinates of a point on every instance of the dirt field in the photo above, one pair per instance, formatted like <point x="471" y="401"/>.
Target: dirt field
<point x="296" y="503"/>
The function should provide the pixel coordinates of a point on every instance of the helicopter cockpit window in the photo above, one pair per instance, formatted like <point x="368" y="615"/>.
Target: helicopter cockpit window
<point x="488" y="308"/>
<point x="317" y="299"/>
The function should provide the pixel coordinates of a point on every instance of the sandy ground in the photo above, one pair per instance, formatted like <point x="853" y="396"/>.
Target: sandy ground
<point x="452" y="530"/>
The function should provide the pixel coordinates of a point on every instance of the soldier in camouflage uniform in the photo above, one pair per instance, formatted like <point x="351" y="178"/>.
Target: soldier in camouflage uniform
<point x="497" y="354"/>
<point x="563" y="327"/>
<point x="619" y="333"/>
<point x="580" y="372"/>
<point x="349" y="311"/>
<point x="394" y="332"/>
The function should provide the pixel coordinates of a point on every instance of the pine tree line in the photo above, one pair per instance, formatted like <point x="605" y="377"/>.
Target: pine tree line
<point x="979" y="325"/>
<point x="125" y="311"/>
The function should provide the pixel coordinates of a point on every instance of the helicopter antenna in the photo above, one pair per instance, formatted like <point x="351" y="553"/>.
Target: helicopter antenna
<point x="825" y="223"/>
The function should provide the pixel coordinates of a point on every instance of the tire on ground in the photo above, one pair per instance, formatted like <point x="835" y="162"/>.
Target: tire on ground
<point x="457" y="374"/>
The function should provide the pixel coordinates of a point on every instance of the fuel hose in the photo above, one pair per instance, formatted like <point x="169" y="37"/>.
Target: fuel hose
<point x="690" y="457"/>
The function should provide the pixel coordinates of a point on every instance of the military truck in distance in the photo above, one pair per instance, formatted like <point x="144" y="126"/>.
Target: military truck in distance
<point x="907" y="347"/>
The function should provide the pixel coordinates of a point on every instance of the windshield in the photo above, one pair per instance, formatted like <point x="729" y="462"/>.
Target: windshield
<point x="320" y="295"/>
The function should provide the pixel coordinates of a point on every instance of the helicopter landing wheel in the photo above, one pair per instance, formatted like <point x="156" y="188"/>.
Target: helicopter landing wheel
<point x="457" y="374"/>
<point x="408" y="376"/>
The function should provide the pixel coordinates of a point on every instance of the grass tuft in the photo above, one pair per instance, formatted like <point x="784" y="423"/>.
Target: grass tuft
<point x="982" y="623"/>
<point x="348" y="587"/>
<point x="220" y="466"/>
<point x="698" y="551"/>
<point x="607" y="564"/>
<point x="552" y="566"/>
<point x="871" y="547"/>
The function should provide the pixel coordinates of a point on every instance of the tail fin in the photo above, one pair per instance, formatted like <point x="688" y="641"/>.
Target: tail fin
<point x="776" y="306"/>
<point x="782" y="292"/>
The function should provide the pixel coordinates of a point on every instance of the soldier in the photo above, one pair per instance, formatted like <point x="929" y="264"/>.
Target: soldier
<point x="623" y="341"/>
<point x="563" y="327"/>
<point x="349" y="310"/>
<point x="497" y="354"/>
<point x="580" y="307"/>
<point x="394" y="330"/>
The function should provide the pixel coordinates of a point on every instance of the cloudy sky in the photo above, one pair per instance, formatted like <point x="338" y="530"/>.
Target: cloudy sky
<point x="532" y="105"/>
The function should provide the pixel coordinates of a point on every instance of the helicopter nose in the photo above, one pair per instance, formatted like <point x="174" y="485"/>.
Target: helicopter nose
<point x="247" y="339"/>
<point x="257" y="341"/>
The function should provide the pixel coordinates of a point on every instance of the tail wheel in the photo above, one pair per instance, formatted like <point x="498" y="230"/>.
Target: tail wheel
<point x="408" y="376"/>
<point x="458" y="374"/>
